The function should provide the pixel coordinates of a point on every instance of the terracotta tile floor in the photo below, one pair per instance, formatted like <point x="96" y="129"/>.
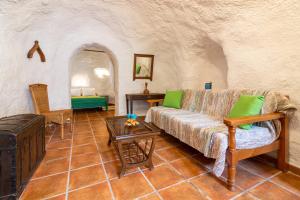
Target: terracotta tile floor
<point x="82" y="166"/>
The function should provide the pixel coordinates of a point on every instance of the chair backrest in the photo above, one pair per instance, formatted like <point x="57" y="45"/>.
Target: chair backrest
<point x="39" y="95"/>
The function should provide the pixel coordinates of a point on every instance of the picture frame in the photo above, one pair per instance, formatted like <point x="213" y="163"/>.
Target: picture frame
<point x="143" y="66"/>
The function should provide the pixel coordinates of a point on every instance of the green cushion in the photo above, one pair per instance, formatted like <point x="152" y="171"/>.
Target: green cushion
<point x="247" y="106"/>
<point x="173" y="99"/>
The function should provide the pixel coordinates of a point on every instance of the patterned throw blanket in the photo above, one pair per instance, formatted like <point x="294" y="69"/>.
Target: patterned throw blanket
<point x="200" y="122"/>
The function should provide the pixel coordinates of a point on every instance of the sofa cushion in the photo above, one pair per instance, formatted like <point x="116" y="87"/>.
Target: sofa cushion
<point x="173" y="99"/>
<point x="88" y="92"/>
<point x="192" y="100"/>
<point x="76" y="92"/>
<point x="247" y="106"/>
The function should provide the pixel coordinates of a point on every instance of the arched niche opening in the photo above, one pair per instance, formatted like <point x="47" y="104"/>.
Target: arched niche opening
<point x="95" y="66"/>
<point x="217" y="64"/>
<point x="205" y="62"/>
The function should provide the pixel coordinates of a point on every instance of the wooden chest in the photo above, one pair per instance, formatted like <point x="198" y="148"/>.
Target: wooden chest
<point x="22" y="147"/>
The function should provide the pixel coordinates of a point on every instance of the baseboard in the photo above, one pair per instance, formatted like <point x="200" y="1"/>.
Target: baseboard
<point x="292" y="168"/>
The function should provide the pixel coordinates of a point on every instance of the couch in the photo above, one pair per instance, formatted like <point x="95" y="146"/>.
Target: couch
<point x="202" y="124"/>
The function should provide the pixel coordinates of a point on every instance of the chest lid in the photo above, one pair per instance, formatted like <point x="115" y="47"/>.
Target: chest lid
<point x="14" y="124"/>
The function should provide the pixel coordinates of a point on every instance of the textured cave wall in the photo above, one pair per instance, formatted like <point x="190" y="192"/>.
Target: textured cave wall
<point x="82" y="73"/>
<point x="209" y="65"/>
<point x="235" y="44"/>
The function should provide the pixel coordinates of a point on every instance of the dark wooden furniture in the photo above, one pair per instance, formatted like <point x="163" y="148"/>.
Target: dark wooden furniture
<point x="135" y="62"/>
<point x="140" y="96"/>
<point x="22" y="147"/>
<point x="153" y="102"/>
<point x="134" y="145"/>
<point x="234" y="155"/>
<point x="36" y="47"/>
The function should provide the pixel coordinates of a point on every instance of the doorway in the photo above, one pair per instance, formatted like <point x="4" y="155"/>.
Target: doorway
<point x="92" y="77"/>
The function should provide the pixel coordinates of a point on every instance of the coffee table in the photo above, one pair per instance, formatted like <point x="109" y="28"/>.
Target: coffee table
<point x="134" y="145"/>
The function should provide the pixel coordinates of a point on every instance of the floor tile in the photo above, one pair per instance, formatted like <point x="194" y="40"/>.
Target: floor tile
<point x="101" y="132"/>
<point x="47" y="139"/>
<point x="85" y="140"/>
<point x="150" y="197"/>
<point x="86" y="176"/>
<point x="162" y="176"/>
<point x="180" y="192"/>
<point x="269" y="190"/>
<point x="102" y="139"/>
<point x="130" y="187"/>
<point x="86" y="133"/>
<point x="171" y="153"/>
<point x="45" y="187"/>
<point x="83" y="160"/>
<point x="82" y="128"/>
<point x="215" y="188"/>
<point x="98" y="191"/>
<point x="85" y="122"/>
<point x="109" y="155"/>
<point x="288" y="180"/>
<point x="82" y="136"/>
<point x="81" y="118"/>
<point x="84" y="149"/>
<point x="164" y="143"/>
<point x="103" y="147"/>
<point x="206" y="162"/>
<point x="244" y="179"/>
<point x="189" y="150"/>
<point x="99" y="128"/>
<point x="59" y="197"/>
<point x="258" y="167"/>
<point x="59" y="144"/>
<point x="188" y="167"/>
<point x="51" y="167"/>
<point x="57" y="153"/>
<point x="57" y="138"/>
<point x="98" y="121"/>
<point x="156" y="160"/>
<point x="113" y="169"/>
<point x="247" y="196"/>
<point x="98" y="124"/>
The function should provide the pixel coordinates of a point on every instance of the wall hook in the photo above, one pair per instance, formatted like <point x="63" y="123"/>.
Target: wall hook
<point x="36" y="47"/>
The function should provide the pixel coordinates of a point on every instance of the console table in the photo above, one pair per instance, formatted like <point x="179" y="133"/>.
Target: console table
<point x="140" y="96"/>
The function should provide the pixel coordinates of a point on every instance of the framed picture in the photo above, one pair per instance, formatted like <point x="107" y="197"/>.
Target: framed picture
<point x="143" y="66"/>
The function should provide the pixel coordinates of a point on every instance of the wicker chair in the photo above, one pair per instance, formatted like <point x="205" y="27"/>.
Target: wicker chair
<point x="41" y="104"/>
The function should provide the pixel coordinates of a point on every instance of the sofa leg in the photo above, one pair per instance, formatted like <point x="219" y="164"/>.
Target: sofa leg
<point x="283" y="145"/>
<point x="231" y="177"/>
<point x="62" y="131"/>
<point x="231" y="159"/>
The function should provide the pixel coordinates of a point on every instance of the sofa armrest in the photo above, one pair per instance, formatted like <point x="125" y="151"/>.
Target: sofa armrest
<point x="234" y="122"/>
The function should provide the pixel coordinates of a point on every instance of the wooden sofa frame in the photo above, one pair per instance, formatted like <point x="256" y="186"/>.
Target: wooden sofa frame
<point x="234" y="155"/>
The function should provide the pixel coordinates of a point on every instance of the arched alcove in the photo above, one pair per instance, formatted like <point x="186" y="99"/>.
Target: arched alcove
<point x="95" y="57"/>
<point x="216" y="60"/>
<point x="206" y="63"/>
